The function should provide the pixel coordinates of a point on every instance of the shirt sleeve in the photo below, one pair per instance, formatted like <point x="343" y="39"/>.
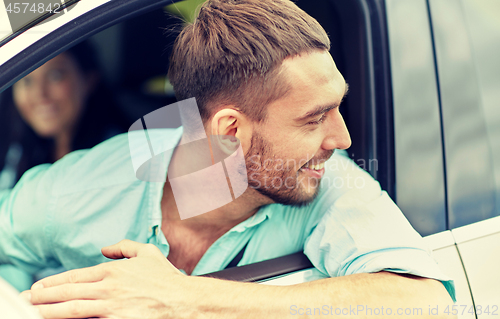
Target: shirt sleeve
<point x="363" y="231"/>
<point x="25" y="221"/>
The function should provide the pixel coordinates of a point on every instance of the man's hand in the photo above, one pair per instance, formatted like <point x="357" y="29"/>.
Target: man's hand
<point x="132" y="288"/>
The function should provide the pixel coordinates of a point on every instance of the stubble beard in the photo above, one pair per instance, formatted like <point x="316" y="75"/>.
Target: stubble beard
<point x="281" y="185"/>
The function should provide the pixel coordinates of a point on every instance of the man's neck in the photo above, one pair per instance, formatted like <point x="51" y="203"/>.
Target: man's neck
<point x="190" y="238"/>
<point x="216" y="221"/>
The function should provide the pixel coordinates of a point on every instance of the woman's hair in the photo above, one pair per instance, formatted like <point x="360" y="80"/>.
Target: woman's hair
<point x="101" y="118"/>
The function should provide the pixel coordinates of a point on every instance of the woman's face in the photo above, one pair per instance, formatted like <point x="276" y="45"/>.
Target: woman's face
<point x="51" y="98"/>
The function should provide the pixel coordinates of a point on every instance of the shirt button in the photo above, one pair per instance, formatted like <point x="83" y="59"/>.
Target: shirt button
<point x="156" y="231"/>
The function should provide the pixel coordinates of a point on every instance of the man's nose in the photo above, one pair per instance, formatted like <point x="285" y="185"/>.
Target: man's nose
<point x="337" y="136"/>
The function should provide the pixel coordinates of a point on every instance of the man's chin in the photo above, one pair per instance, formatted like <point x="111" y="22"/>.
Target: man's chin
<point x="297" y="198"/>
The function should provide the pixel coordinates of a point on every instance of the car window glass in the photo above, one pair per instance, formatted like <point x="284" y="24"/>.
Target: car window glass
<point x="483" y="23"/>
<point x="418" y="147"/>
<point x="469" y="165"/>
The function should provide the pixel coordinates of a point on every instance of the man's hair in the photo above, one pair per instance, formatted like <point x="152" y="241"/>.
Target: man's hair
<point x="232" y="53"/>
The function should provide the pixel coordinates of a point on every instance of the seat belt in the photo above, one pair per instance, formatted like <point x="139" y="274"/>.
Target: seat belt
<point x="237" y="258"/>
<point x="264" y="269"/>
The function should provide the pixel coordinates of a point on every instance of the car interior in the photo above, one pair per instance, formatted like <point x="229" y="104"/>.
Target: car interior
<point x="134" y="56"/>
<point x="134" y="40"/>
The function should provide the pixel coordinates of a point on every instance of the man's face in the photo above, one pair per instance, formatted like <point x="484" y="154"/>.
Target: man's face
<point x="287" y="153"/>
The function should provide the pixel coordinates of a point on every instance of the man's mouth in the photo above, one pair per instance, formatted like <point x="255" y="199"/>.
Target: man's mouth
<point x="319" y="163"/>
<point x="315" y="169"/>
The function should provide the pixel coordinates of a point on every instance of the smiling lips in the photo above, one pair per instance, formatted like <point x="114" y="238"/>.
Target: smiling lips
<point x="316" y="170"/>
<point x="46" y="110"/>
<point x="316" y="167"/>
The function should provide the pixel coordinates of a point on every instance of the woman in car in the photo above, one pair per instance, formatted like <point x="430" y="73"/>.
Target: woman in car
<point x="58" y="108"/>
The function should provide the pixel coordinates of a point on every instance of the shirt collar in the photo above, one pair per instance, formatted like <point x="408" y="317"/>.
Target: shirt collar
<point x="169" y="141"/>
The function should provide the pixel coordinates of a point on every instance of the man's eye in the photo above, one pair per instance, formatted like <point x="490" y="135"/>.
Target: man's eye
<point x="321" y="120"/>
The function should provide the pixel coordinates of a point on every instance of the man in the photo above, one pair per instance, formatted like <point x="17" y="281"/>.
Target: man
<point x="261" y="73"/>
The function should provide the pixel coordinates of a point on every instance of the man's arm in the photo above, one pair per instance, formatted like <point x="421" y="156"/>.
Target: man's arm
<point x="25" y="233"/>
<point x="148" y="286"/>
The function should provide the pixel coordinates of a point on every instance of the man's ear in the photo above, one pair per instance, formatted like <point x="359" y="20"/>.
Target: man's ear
<point x="229" y="127"/>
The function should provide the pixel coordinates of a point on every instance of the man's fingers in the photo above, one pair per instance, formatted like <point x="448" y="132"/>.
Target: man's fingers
<point x="65" y="292"/>
<point x="124" y="249"/>
<point x="90" y="274"/>
<point x="130" y="249"/>
<point x="74" y="309"/>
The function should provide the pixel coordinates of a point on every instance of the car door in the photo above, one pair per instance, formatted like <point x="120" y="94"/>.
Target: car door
<point x="467" y="40"/>
<point x="446" y="82"/>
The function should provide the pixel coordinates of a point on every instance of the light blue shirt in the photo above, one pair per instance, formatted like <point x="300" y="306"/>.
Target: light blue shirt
<point x="63" y="214"/>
